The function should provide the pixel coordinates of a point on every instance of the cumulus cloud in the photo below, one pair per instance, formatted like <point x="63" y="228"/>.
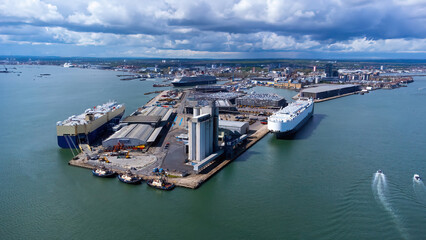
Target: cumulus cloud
<point x="28" y="11"/>
<point x="213" y="28"/>
<point x="398" y="45"/>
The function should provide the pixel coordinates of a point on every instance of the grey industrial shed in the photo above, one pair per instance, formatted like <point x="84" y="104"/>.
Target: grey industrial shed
<point x="234" y="126"/>
<point x="328" y="90"/>
<point x="131" y="135"/>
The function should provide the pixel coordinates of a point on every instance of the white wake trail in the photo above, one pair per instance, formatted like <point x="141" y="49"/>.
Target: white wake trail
<point x="420" y="190"/>
<point x="380" y="191"/>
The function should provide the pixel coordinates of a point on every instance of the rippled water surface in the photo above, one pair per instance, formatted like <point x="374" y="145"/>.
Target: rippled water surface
<point x="320" y="185"/>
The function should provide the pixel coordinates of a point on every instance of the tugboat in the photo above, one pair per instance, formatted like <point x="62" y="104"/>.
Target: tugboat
<point x="417" y="178"/>
<point x="103" y="172"/>
<point x="129" y="177"/>
<point x="160" y="183"/>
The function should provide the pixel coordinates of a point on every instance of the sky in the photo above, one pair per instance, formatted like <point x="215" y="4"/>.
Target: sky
<point x="368" y="29"/>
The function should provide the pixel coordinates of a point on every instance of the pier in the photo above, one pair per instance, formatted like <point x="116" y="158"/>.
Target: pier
<point x="166" y="152"/>
<point x="192" y="181"/>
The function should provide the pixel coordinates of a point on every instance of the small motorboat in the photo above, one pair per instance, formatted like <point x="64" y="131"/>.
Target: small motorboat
<point x="379" y="171"/>
<point x="103" y="172"/>
<point x="130" y="178"/>
<point x="417" y="177"/>
<point x="160" y="184"/>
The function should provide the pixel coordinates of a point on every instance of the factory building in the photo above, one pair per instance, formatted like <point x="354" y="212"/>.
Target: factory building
<point x="143" y="127"/>
<point x="225" y="106"/>
<point x="203" y="132"/>
<point x="328" y="90"/>
<point x="261" y="100"/>
<point x="130" y="136"/>
<point x="234" y="126"/>
<point x="151" y="115"/>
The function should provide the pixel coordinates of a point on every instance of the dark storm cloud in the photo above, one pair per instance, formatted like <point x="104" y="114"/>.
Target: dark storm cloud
<point x="220" y="25"/>
<point x="370" y="19"/>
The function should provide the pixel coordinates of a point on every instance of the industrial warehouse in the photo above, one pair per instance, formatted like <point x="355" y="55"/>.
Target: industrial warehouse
<point x="325" y="91"/>
<point x="140" y="128"/>
<point x="261" y="100"/>
<point x="234" y="126"/>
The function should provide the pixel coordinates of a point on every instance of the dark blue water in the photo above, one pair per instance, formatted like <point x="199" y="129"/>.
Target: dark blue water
<point x="321" y="185"/>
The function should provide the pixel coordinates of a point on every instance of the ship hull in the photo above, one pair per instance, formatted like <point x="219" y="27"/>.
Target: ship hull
<point x="72" y="141"/>
<point x="178" y="84"/>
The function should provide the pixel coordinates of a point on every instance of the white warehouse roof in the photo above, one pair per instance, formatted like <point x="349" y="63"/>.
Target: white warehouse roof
<point x="130" y="135"/>
<point x="232" y="123"/>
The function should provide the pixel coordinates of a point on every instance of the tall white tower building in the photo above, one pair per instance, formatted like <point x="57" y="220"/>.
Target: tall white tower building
<point x="203" y="132"/>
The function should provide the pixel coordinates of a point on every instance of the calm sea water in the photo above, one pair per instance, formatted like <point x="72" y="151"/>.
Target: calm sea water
<point x="321" y="185"/>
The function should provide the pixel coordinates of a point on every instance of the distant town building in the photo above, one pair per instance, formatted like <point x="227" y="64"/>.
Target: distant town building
<point x="328" y="70"/>
<point x="289" y="84"/>
<point x="287" y="71"/>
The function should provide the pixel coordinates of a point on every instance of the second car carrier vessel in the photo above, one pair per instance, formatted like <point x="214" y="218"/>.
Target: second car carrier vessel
<point x="87" y="127"/>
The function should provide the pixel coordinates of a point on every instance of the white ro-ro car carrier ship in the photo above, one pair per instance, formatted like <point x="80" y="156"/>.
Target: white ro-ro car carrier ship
<point x="87" y="127"/>
<point x="287" y="121"/>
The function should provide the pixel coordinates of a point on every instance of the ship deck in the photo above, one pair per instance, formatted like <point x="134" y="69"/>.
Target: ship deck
<point x="97" y="112"/>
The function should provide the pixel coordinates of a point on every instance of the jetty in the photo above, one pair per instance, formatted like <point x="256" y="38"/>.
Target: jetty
<point x="191" y="181"/>
<point x="160" y="125"/>
<point x="194" y="181"/>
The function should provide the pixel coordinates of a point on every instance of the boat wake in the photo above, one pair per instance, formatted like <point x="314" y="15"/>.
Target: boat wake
<point x="420" y="190"/>
<point x="380" y="191"/>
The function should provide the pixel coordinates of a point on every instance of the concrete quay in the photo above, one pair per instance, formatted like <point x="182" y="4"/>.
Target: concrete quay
<point x="329" y="98"/>
<point x="191" y="181"/>
<point x="196" y="180"/>
<point x="167" y="152"/>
